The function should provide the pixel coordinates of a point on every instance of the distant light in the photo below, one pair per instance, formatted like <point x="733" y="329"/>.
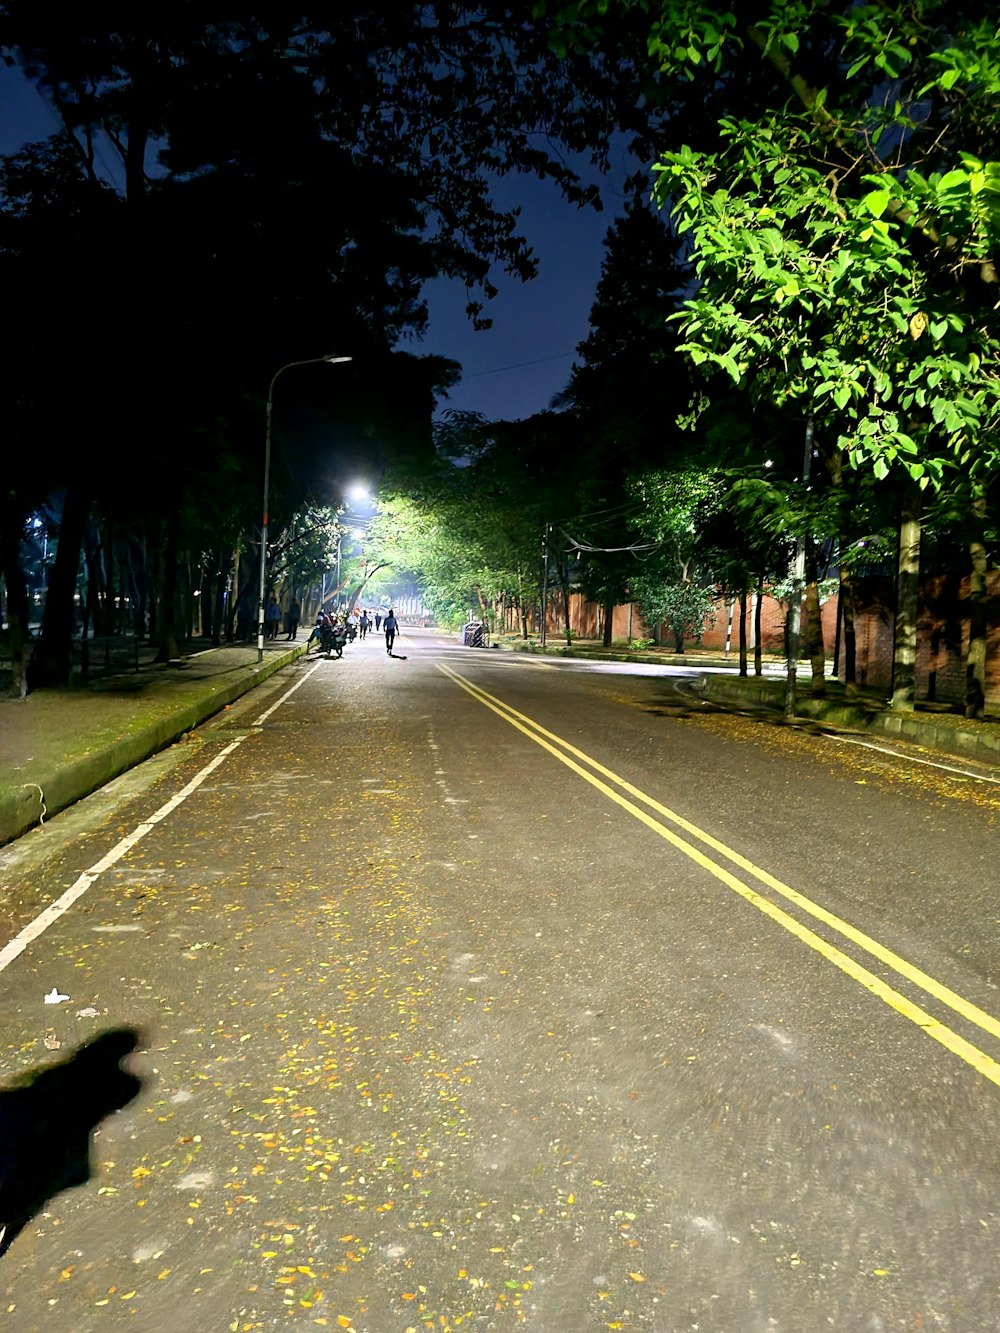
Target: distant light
<point x="768" y="462"/>
<point x="358" y="493"/>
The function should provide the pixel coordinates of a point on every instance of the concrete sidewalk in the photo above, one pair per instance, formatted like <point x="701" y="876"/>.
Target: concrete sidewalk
<point x="57" y="746"/>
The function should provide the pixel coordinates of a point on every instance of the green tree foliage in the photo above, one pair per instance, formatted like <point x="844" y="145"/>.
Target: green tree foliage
<point x="674" y="584"/>
<point x="305" y="550"/>
<point x="868" y="282"/>
<point x="469" y="529"/>
<point x="688" y="608"/>
<point x="845" y="218"/>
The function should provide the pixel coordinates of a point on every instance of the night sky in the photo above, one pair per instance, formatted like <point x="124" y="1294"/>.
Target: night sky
<point x="515" y="368"/>
<point x="512" y="370"/>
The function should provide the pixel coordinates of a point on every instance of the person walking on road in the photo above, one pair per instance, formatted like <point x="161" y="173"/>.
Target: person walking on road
<point x="294" y="616"/>
<point x="390" y="625"/>
<point x="378" y="620"/>
<point x="272" y="618"/>
<point x="363" y="624"/>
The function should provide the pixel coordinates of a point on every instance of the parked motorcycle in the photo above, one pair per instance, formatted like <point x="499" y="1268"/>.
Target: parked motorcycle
<point x="332" y="639"/>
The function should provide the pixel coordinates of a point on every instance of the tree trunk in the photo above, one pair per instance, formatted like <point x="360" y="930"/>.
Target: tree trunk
<point x="234" y="597"/>
<point x="153" y="565"/>
<point x="51" y="662"/>
<point x="111" y="608"/>
<point x="609" y="623"/>
<point x="85" y="639"/>
<point x="904" y="664"/>
<point x="758" y="652"/>
<point x="18" y="633"/>
<point x="371" y="574"/>
<point x="975" y="661"/>
<point x="140" y="577"/>
<point x="743" y="632"/>
<point x="219" y="607"/>
<point x="96" y="580"/>
<point x="166" y="600"/>
<point x="847" y="613"/>
<point x="206" y="599"/>
<point x="122" y="593"/>
<point x="814" y="627"/>
<point x="186" y="599"/>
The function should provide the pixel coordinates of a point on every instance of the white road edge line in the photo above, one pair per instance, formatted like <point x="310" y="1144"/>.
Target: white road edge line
<point x="258" y="722"/>
<point x="915" y="759"/>
<point x="79" y="887"/>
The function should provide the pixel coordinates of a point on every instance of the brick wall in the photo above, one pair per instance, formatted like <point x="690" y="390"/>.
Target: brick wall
<point x="942" y="637"/>
<point x="943" y="632"/>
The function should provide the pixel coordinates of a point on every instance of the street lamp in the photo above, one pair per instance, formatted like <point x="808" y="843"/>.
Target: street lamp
<point x="311" y="361"/>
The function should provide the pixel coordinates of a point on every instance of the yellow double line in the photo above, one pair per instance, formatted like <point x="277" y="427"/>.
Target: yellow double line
<point x="612" y="786"/>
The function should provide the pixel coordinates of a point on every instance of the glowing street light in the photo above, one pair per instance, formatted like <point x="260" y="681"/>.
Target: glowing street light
<point x="355" y="494"/>
<point x="311" y="361"/>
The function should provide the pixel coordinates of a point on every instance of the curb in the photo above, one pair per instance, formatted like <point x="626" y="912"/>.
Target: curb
<point x="979" y="741"/>
<point x="46" y="794"/>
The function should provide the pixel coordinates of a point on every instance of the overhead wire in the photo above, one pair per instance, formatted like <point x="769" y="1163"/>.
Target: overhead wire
<point x="519" y="365"/>
<point x="608" y="550"/>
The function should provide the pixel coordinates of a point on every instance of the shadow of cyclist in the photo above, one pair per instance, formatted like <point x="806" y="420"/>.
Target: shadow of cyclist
<point x="47" y="1118"/>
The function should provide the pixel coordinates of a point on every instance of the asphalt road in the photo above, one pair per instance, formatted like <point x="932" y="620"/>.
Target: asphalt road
<point x="464" y="990"/>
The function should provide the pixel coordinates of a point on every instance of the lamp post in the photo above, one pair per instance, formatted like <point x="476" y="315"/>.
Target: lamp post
<point x="311" y="361"/>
